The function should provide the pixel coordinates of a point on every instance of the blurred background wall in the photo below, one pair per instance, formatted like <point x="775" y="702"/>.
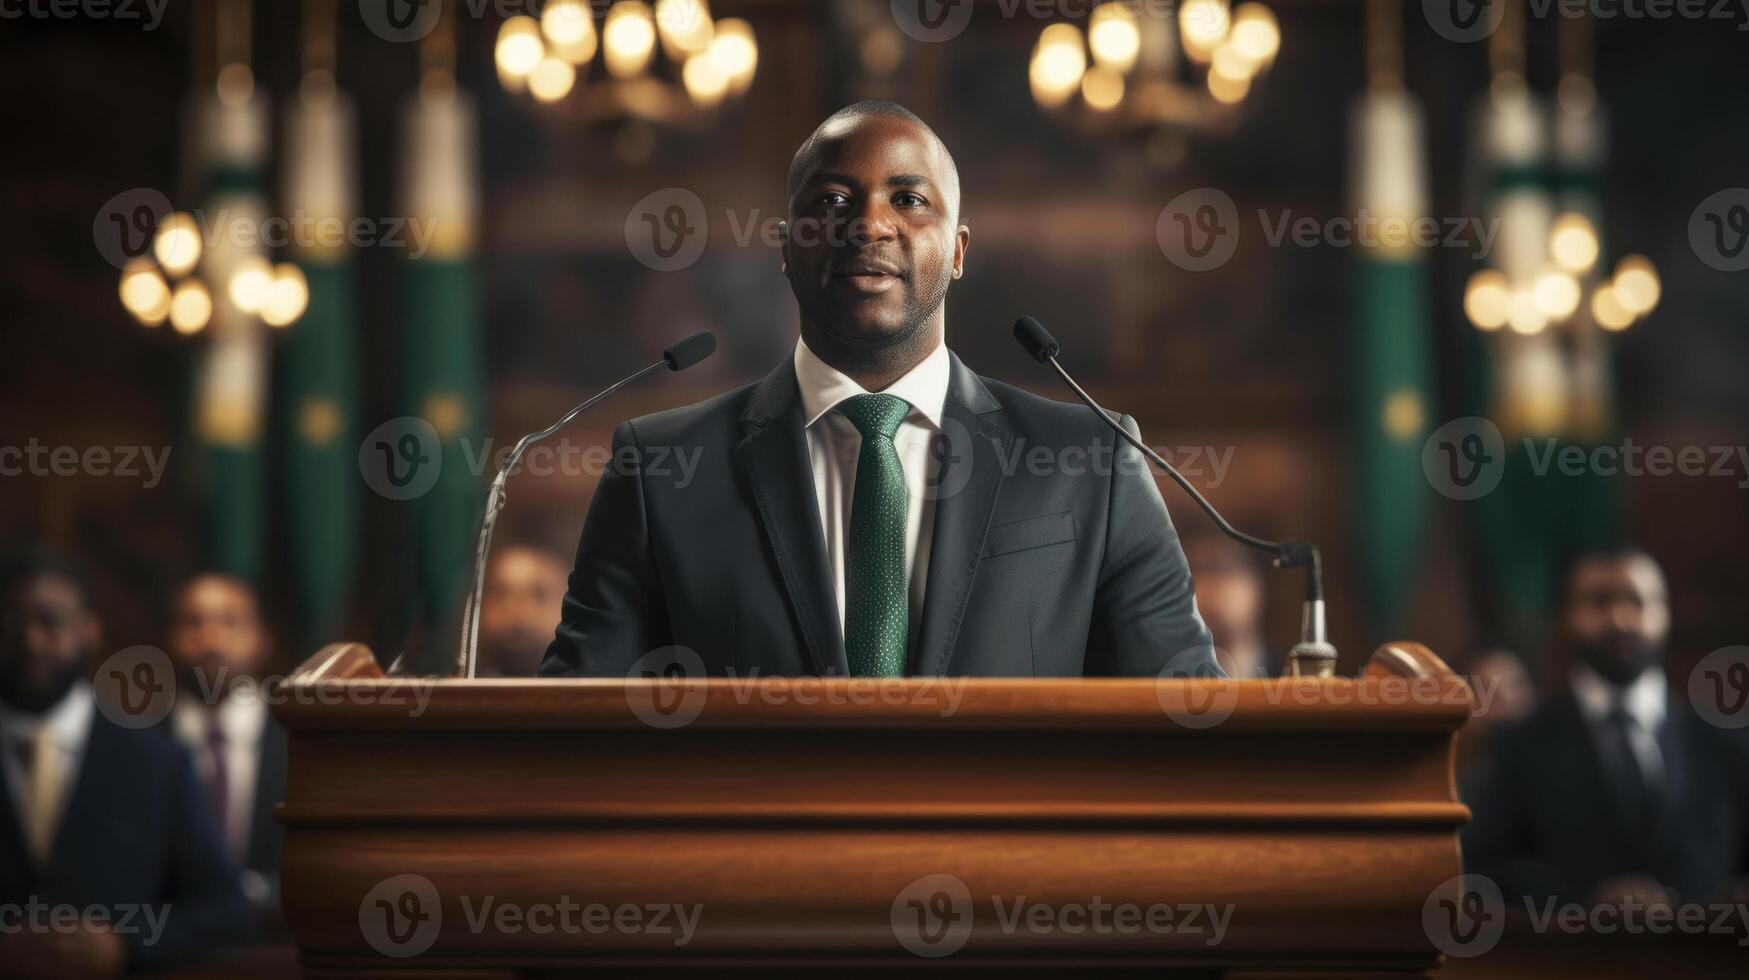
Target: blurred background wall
<point x="531" y="296"/>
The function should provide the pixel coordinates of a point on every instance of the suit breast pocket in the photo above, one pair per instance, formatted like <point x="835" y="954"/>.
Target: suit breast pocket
<point x="1033" y="532"/>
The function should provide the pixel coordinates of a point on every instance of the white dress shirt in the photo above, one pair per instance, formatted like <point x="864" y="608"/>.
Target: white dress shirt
<point x="1644" y="702"/>
<point x="833" y="446"/>
<point x="241" y="717"/>
<point x="68" y="727"/>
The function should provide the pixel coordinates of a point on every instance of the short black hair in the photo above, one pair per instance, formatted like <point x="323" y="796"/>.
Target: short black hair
<point x="26" y="565"/>
<point x="1600" y="554"/>
<point x="868" y="109"/>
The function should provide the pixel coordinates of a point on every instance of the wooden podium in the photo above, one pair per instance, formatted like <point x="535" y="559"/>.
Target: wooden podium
<point x="516" y="828"/>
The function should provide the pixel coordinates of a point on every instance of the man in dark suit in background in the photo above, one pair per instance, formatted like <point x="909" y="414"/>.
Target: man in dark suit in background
<point x="1614" y="787"/>
<point x="93" y="815"/>
<point x="872" y="507"/>
<point x="524" y="581"/>
<point x="219" y="645"/>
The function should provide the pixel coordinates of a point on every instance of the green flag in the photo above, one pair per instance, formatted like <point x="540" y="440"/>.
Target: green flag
<point x="318" y="362"/>
<point x="439" y="350"/>
<point x="229" y="375"/>
<point x="1392" y="388"/>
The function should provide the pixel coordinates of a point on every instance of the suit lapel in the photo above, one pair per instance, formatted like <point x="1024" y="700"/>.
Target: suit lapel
<point x="972" y="446"/>
<point x="773" y="458"/>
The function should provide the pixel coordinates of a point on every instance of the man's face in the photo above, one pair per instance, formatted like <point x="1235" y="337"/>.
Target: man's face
<point x="871" y="242"/>
<point x="519" y="609"/>
<point x="49" y="632"/>
<point x="1618" y="616"/>
<point x="216" y="634"/>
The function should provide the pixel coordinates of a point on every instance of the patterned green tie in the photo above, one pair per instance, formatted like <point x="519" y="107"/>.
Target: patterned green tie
<point x="876" y="621"/>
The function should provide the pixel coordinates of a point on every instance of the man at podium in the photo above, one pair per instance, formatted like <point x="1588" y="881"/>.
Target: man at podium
<point x="873" y="507"/>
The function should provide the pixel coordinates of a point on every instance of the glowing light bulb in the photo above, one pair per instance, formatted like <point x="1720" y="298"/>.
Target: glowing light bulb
<point x="1485" y="300"/>
<point x="628" y="38"/>
<point x="569" y="27"/>
<point x="249" y="283"/>
<point x="1557" y="294"/>
<point x="685" y="27"/>
<point x="1256" y="35"/>
<point x="1113" y="36"/>
<point x="177" y="244"/>
<point x="1636" y="284"/>
<point x="191" y="306"/>
<point x="552" y="79"/>
<point x="1608" y="311"/>
<point x="1202" y="25"/>
<point x="734" y="52"/>
<point x="1058" y="62"/>
<point x="287" y="297"/>
<point x="519" y="47"/>
<point x="144" y="293"/>
<point x="1573" y="243"/>
<point x="704" y="81"/>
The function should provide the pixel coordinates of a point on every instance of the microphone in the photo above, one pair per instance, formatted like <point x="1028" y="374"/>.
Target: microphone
<point x="678" y="357"/>
<point x="1314" y="655"/>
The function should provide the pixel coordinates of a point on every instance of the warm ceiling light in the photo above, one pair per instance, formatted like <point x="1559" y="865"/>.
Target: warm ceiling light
<point x="1523" y="314"/>
<point x="1557" y="294"/>
<point x="287" y="297"/>
<point x="1636" y="284"/>
<point x="191" y="306"/>
<point x="734" y="52"/>
<point x="1058" y="63"/>
<point x="1102" y="87"/>
<point x="1256" y="35"/>
<point x="177" y="244"/>
<point x="1573" y="243"/>
<point x="628" y="37"/>
<point x="144" y="293"/>
<point x="249" y="283"/>
<point x="552" y="79"/>
<point x="1485" y="300"/>
<point x="1114" y="37"/>
<point x="1608" y="311"/>
<point x="1203" y="25"/>
<point x="704" y="81"/>
<point x="685" y="27"/>
<point x="569" y="26"/>
<point x="519" y="46"/>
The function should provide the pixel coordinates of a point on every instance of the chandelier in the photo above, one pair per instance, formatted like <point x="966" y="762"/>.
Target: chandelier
<point x="1152" y="73"/>
<point x="702" y="63"/>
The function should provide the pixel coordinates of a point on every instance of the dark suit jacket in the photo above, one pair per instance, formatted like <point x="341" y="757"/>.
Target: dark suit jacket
<point x="1033" y="570"/>
<point x="135" y="831"/>
<point x="1545" y="822"/>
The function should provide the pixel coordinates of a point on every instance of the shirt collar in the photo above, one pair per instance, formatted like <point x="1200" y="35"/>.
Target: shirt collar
<point x="69" y="721"/>
<point x="241" y="716"/>
<point x="824" y="386"/>
<point x="1643" y="698"/>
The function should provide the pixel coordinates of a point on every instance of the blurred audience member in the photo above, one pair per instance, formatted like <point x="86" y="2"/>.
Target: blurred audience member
<point x="1613" y="787"/>
<point x="220" y="647"/>
<point x="1503" y="695"/>
<point x="525" y="585"/>
<point x="106" y="850"/>
<point x="1229" y="594"/>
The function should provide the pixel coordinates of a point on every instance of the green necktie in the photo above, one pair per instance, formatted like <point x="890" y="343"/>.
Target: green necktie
<point x="876" y="621"/>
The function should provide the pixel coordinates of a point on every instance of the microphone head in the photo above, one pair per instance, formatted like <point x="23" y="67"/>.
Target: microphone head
<point x="1035" y="339"/>
<point x="690" y="351"/>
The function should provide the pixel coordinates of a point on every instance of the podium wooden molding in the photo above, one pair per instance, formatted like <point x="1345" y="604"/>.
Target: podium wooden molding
<point x="794" y="814"/>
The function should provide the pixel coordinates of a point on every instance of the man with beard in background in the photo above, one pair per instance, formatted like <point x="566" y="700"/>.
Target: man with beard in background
<point x="108" y="859"/>
<point x="1614" y="789"/>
